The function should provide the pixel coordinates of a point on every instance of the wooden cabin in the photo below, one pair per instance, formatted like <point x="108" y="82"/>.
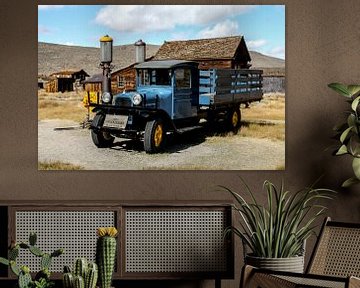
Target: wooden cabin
<point x="42" y="80"/>
<point x="94" y="83"/>
<point x="225" y="52"/>
<point x="64" y="81"/>
<point x="123" y="79"/>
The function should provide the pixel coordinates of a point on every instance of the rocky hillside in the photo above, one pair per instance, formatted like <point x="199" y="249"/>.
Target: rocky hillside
<point x="54" y="57"/>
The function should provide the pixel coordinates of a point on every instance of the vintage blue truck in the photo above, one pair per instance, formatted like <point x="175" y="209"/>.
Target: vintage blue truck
<point x="173" y="96"/>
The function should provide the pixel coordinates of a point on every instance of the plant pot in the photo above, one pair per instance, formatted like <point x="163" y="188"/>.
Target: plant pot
<point x="291" y="264"/>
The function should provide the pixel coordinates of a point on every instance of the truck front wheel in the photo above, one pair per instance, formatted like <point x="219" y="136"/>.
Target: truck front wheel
<point x="154" y="136"/>
<point x="101" y="139"/>
<point x="234" y="119"/>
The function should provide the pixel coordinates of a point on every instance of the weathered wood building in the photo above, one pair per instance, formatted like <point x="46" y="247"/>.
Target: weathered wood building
<point x="42" y="80"/>
<point x="123" y="79"/>
<point x="224" y="52"/>
<point x="64" y="81"/>
<point x="93" y="83"/>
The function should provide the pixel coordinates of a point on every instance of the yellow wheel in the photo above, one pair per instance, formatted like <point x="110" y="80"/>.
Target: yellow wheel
<point x="234" y="119"/>
<point x="154" y="136"/>
<point x="158" y="135"/>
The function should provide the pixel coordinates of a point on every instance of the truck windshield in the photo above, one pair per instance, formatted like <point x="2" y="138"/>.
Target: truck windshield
<point x="148" y="77"/>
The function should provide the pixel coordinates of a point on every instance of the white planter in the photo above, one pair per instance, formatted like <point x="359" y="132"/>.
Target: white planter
<point x="291" y="264"/>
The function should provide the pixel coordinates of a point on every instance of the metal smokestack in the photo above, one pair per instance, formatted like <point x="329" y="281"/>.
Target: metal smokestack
<point x="140" y="49"/>
<point x="106" y="43"/>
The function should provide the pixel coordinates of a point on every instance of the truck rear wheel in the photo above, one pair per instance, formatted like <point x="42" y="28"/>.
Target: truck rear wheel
<point x="234" y="119"/>
<point x="101" y="139"/>
<point x="154" y="136"/>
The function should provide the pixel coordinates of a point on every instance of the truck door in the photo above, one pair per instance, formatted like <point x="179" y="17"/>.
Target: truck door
<point x="185" y="96"/>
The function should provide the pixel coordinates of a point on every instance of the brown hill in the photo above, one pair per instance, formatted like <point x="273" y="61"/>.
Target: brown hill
<point x="54" y="57"/>
<point x="270" y="65"/>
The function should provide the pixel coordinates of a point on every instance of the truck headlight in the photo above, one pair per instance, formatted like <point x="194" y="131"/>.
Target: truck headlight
<point x="106" y="98"/>
<point x="136" y="99"/>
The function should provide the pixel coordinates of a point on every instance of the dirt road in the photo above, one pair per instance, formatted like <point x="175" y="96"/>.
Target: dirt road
<point x="194" y="151"/>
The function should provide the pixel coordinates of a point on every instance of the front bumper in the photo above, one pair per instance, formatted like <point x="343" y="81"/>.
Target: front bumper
<point x="137" y="117"/>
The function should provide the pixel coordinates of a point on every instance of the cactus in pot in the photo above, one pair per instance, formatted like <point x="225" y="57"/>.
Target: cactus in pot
<point x="106" y="254"/>
<point x="85" y="275"/>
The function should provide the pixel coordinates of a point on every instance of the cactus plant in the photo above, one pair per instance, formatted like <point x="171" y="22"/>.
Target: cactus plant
<point x="79" y="282"/>
<point x="42" y="278"/>
<point x="80" y="267"/>
<point x="105" y="254"/>
<point x="84" y="274"/>
<point x="68" y="280"/>
<point x="45" y="261"/>
<point x="91" y="276"/>
<point x="24" y="277"/>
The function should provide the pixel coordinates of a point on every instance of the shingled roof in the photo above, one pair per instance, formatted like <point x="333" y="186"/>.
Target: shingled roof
<point x="201" y="49"/>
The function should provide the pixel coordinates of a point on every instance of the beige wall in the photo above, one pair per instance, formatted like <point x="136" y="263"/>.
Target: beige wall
<point x="323" y="46"/>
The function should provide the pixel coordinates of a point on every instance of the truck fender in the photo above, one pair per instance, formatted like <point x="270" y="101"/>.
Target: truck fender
<point x="170" y="126"/>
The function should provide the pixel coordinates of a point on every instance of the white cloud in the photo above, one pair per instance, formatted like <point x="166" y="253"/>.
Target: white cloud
<point x="179" y="36"/>
<point x="44" y="30"/>
<point x="48" y="7"/>
<point x="226" y="28"/>
<point x="255" y="44"/>
<point x="278" y="52"/>
<point x="146" y="18"/>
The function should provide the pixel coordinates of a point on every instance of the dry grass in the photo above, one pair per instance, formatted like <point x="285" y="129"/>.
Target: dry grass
<point x="57" y="165"/>
<point x="272" y="107"/>
<point x="67" y="106"/>
<point x="273" y="132"/>
<point x="260" y="131"/>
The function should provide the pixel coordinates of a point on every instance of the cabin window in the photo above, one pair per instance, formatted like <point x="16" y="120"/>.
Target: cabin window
<point x="121" y="81"/>
<point x="183" y="78"/>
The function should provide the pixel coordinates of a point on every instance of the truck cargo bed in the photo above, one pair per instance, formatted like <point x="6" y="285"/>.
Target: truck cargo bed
<point x="220" y="87"/>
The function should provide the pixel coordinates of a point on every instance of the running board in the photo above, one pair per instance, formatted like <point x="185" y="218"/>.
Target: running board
<point x="187" y="129"/>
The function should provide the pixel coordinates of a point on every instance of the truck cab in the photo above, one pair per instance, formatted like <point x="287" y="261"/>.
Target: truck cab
<point x="166" y="99"/>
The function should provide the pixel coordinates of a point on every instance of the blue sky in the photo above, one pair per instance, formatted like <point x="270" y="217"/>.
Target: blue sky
<point x="263" y="26"/>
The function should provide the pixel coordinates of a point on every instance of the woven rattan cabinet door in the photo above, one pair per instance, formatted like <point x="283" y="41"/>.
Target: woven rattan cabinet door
<point x="174" y="241"/>
<point x="73" y="230"/>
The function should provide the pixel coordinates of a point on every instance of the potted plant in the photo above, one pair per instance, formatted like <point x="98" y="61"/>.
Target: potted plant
<point x="349" y="131"/>
<point x="42" y="278"/>
<point x="276" y="233"/>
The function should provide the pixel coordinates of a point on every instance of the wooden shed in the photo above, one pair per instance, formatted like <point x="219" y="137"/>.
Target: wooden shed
<point x="68" y="80"/>
<point x="123" y="79"/>
<point x="94" y="83"/>
<point x="224" y="52"/>
<point x="42" y="80"/>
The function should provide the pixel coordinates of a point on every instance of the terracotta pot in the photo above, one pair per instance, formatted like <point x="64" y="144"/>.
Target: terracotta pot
<point x="291" y="264"/>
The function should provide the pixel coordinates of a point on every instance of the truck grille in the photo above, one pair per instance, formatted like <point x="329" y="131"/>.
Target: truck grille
<point x="123" y="102"/>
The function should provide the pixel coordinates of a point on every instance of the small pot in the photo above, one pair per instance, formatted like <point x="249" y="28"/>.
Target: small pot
<point x="291" y="264"/>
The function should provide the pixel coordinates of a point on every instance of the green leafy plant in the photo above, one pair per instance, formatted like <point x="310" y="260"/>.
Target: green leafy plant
<point x="42" y="278"/>
<point x="279" y="229"/>
<point x="349" y="131"/>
